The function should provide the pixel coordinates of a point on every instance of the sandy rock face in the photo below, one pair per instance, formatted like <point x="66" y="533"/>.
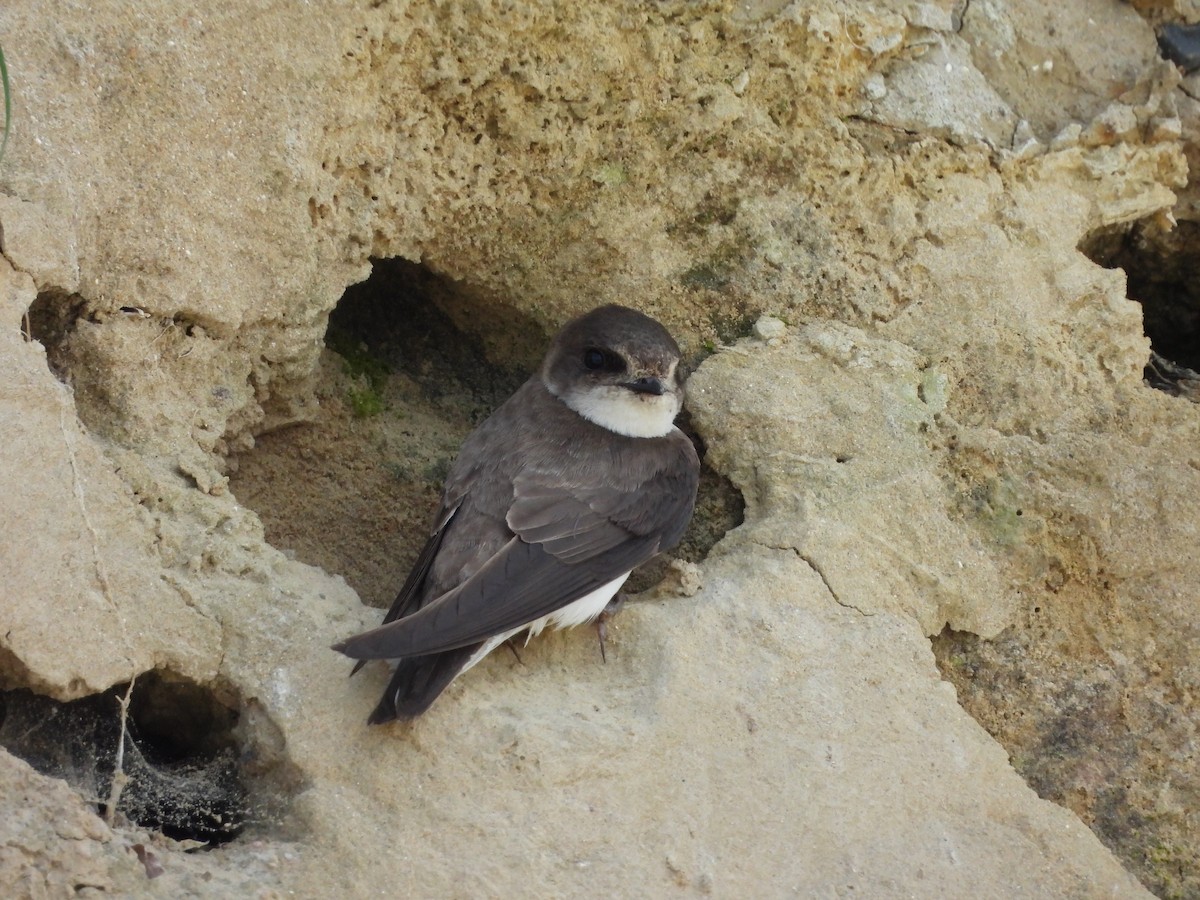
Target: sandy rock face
<point x="849" y="736"/>
<point x="79" y="548"/>
<point x="52" y="843"/>
<point x="861" y="221"/>
<point x="861" y="471"/>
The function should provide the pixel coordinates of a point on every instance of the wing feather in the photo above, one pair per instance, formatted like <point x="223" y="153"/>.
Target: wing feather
<point x="408" y="600"/>
<point x="518" y="585"/>
<point x="569" y="539"/>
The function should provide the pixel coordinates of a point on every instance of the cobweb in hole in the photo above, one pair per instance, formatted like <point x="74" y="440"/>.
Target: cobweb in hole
<point x="181" y="755"/>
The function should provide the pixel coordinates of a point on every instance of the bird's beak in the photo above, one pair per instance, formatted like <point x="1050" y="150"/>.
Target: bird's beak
<point x="646" y="386"/>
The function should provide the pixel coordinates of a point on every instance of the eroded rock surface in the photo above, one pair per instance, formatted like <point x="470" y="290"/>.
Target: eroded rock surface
<point x="941" y="424"/>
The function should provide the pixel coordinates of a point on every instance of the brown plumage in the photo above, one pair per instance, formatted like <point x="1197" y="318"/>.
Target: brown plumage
<point x="544" y="507"/>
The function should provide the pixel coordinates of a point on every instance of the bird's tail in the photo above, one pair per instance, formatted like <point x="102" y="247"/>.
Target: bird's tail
<point x="417" y="682"/>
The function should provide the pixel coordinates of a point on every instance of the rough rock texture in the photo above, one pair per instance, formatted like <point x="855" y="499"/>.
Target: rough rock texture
<point x="52" y="844"/>
<point x="941" y="428"/>
<point x="77" y="544"/>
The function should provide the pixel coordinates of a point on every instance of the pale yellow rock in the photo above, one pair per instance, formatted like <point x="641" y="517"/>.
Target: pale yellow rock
<point x="1061" y="62"/>
<point x="220" y="173"/>
<point x="829" y="439"/>
<point x="34" y="242"/>
<point x="942" y="92"/>
<point x="51" y="844"/>
<point x="78" y="561"/>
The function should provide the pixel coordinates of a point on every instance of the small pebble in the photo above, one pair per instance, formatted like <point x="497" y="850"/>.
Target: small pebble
<point x="769" y="328"/>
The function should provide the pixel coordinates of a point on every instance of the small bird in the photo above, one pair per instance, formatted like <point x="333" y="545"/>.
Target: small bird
<point x="578" y="478"/>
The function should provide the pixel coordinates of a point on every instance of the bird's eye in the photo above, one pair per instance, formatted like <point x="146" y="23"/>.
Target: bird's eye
<point x="598" y="360"/>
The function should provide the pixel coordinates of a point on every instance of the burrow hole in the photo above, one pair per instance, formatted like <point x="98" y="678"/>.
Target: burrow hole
<point x="50" y="320"/>
<point x="1160" y="269"/>
<point x="192" y="771"/>
<point x="413" y="361"/>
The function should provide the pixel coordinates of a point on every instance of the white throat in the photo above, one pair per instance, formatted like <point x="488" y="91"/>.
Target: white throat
<point x="621" y="410"/>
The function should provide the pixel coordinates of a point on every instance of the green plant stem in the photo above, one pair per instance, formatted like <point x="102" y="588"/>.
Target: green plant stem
<point x="7" y="103"/>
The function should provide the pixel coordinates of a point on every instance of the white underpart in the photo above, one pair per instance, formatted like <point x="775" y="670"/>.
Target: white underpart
<point x="625" y="412"/>
<point x="585" y="609"/>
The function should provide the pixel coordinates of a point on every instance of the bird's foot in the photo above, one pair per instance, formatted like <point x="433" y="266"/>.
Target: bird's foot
<point x="613" y="607"/>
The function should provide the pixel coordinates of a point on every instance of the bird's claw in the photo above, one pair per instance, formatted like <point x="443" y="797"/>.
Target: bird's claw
<point x="613" y="607"/>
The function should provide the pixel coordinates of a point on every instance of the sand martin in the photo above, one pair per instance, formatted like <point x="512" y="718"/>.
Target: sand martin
<point x="574" y="481"/>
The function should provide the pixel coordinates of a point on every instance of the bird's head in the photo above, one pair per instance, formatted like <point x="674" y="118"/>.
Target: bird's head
<point x="618" y="368"/>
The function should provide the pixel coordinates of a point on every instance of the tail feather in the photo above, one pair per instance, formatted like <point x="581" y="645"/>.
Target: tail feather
<point x="417" y="682"/>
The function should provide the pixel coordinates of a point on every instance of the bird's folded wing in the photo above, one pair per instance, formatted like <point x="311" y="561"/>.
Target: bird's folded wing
<point x="579" y="522"/>
<point x="408" y="600"/>
<point x="571" y="538"/>
<point x="520" y="584"/>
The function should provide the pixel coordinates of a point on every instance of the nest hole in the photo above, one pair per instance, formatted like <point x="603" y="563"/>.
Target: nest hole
<point x="1160" y="268"/>
<point x="414" y="360"/>
<point x="447" y="336"/>
<point x="186" y="763"/>
<point x="50" y="320"/>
